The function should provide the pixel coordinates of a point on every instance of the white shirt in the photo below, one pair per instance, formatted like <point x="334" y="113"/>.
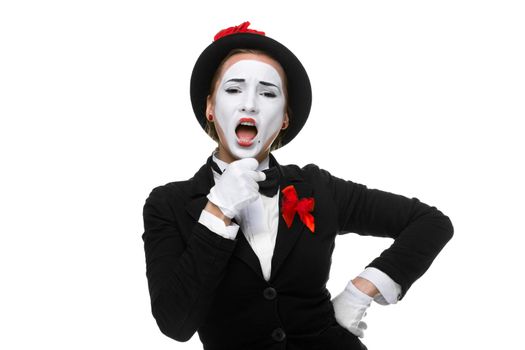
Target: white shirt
<point x="259" y="222"/>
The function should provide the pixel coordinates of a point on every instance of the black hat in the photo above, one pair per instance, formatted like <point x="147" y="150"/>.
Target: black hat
<point x="240" y="37"/>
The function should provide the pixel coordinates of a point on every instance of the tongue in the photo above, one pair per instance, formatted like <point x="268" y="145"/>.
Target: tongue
<point x="246" y="132"/>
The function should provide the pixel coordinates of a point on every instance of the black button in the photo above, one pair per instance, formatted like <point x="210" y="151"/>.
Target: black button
<point x="270" y="293"/>
<point x="278" y="334"/>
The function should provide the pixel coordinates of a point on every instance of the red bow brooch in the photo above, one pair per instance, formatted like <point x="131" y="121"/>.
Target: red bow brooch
<point x="241" y="28"/>
<point x="292" y="204"/>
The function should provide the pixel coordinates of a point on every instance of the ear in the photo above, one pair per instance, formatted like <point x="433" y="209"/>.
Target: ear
<point x="286" y="121"/>
<point x="210" y="108"/>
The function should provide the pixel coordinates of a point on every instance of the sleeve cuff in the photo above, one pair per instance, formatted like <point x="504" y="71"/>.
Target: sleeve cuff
<point x="357" y="294"/>
<point x="389" y="290"/>
<point x="216" y="225"/>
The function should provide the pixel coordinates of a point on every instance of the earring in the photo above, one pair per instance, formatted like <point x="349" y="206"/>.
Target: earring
<point x="210" y="117"/>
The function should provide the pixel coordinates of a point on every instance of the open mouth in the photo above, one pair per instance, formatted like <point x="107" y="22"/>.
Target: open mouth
<point x="246" y="131"/>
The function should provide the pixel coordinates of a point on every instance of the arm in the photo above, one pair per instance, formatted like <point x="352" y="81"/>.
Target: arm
<point x="419" y="230"/>
<point x="213" y="218"/>
<point x="378" y="285"/>
<point x="182" y="276"/>
<point x="216" y="211"/>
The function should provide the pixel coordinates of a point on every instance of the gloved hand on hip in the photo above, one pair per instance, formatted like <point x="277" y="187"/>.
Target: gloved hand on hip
<point x="350" y="307"/>
<point x="237" y="186"/>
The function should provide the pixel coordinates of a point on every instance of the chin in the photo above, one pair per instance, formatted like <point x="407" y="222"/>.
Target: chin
<point x="245" y="153"/>
<point x="252" y="151"/>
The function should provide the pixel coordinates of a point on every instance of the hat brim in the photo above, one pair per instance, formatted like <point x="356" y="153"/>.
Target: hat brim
<point x="299" y="88"/>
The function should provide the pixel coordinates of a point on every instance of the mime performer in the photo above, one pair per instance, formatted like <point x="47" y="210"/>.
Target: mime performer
<point x="241" y="252"/>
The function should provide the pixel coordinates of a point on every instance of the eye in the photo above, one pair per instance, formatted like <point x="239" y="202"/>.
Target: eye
<point x="233" y="90"/>
<point x="268" y="94"/>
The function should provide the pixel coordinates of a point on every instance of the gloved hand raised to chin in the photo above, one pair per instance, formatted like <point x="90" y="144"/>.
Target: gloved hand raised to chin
<point x="237" y="186"/>
<point x="350" y="307"/>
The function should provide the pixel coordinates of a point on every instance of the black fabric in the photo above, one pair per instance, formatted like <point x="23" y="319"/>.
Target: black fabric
<point x="202" y="282"/>
<point x="269" y="186"/>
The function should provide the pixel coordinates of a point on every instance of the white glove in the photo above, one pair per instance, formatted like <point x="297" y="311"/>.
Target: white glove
<point x="350" y="307"/>
<point x="237" y="186"/>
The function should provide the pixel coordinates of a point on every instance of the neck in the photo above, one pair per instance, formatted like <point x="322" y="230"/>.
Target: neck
<point x="227" y="157"/>
<point x="263" y="163"/>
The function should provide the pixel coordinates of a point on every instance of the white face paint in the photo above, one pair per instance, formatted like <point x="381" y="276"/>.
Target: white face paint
<point x="251" y="91"/>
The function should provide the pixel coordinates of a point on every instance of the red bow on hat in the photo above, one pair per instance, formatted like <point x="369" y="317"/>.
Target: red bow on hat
<point x="241" y="28"/>
<point x="292" y="204"/>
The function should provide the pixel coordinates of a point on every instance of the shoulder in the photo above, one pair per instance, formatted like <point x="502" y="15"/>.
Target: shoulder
<point x="295" y="170"/>
<point x="310" y="173"/>
<point x="313" y="173"/>
<point x="171" y="193"/>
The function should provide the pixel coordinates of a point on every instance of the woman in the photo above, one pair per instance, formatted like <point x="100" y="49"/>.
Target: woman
<point x="241" y="252"/>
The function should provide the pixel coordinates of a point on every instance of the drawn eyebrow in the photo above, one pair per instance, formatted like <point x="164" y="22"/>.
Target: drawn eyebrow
<point x="240" y="80"/>
<point x="265" y="83"/>
<point x="237" y="80"/>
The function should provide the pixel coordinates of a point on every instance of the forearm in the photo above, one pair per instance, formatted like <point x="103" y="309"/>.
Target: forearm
<point x="365" y="286"/>
<point x="182" y="273"/>
<point x="212" y="208"/>
<point x="217" y="223"/>
<point x="179" y="305"/>
<point x="417" y="245"/>
<point x="419" y="230"/>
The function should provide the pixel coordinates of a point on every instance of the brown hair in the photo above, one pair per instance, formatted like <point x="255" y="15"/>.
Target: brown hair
<point x="210" y="127"/>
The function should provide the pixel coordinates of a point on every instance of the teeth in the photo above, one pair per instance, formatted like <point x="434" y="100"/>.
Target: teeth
<point x="247" y="123"/>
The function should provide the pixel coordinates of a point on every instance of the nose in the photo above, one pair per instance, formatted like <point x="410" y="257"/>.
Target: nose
<point x="249" y="104"/>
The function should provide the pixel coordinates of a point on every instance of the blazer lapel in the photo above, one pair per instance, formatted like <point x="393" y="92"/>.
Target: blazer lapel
<point x="203" y="181"/>
<point x="287" y="236"/>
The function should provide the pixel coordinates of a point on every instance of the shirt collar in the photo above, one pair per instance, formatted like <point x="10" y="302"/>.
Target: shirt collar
<point x="265" y="164"/>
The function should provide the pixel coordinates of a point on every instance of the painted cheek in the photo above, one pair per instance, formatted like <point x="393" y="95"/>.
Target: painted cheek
<point x="272" y="126"/>
<point x="223" y="109"/>
<point x="270" y="111"/>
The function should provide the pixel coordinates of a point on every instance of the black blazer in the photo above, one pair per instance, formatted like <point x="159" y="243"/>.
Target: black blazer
<point x="200" y="281"/>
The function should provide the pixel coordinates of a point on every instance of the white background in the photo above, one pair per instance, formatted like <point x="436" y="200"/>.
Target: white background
<point x="419" y="98"/>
